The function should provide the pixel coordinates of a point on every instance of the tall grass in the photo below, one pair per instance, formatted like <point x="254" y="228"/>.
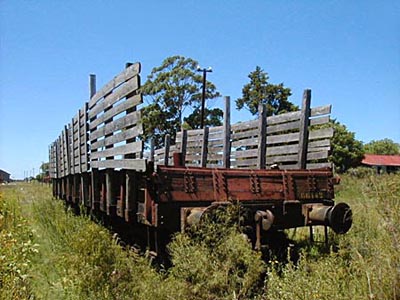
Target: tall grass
<point x="63" y="256"/>
<point x="367" y="265"/>
<point x="16" y="247"/>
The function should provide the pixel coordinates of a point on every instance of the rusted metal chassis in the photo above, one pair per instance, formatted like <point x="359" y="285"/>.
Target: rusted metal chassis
<point x="276" y="199"/>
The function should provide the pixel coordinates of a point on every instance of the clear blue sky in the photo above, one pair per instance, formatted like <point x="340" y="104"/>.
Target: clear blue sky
<point x="347" y="52"/>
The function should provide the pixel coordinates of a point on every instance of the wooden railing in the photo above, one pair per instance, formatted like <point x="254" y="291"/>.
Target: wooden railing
<point x="294" y="140"/>
<point x="105" y="134"/>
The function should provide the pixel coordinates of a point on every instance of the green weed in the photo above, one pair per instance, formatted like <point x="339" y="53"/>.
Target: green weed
<point x="46" y="252"/>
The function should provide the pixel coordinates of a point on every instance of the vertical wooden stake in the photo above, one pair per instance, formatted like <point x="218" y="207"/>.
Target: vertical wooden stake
<point x="92" y="85"/>
<point x="166" y="149"/>
<point x="152" y="146"/>
<point x="183" y="146"/>
<point x="303" y="135"/>
<point x="204" y="148"/>
<point x="111" y="201"/>
<point x="262" y="136"/>
<point x="95" y="190"/>
<point x="226" y="155"/>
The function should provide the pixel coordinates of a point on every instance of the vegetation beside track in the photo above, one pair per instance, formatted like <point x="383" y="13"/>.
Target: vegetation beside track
<point x="46" y="252"/>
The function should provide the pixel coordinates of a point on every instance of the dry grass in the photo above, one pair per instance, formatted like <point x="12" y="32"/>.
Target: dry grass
<point x="48" y="253"/>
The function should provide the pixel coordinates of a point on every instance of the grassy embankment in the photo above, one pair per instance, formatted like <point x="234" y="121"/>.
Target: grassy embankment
<point x="47" y="253"/>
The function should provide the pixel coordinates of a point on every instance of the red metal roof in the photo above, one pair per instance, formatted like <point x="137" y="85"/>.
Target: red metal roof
<point x="381" y="160"/>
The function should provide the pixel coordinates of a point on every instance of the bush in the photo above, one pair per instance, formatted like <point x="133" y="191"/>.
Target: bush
<point x="361" y="172"/>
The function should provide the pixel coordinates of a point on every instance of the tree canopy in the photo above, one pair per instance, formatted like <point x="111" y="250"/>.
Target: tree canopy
<point x="259" y="90"/>
<point x="347" y="151"/>
<point x="213" y="117"/>
<point x="173" y="87"/>
<point x="385" y="146"/>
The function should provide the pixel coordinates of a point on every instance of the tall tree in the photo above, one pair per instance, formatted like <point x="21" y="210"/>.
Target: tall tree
<point x="347" y="151"/>
<point x="385" y="146"/>
<point x="213" y="117"/>
<point x="173" y="87"/>
<point x="259" y="90"/>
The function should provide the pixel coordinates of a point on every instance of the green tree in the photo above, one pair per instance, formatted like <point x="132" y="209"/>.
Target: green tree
<point x="347" y="151"/>
<point x="385" y="146"/>
<point x="259" y="90"/>
<point x="213" y="117"/>
<point x="173" y="87"/>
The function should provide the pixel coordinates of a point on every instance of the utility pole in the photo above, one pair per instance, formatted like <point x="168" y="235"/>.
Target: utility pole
<point x="203" y="94"/>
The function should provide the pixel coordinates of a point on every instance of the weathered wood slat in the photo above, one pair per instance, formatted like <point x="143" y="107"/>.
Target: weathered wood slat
<point x="129" y="164"/>
<point x="316" y="149"/>
<point x="319" y="165"/>
<point x="119" y="150"/>
<point x="249" y="134"/>
<point x="319" y="143"/>
<point x="321" y="133"/>
<point x="125" y="75"/>
<point x="283" y="138"/>
<point x="321" y="110"/>
<point x="245" y="143"/>
<point x="116" y="110"/>
<point x="317" y="155"/>
<point x="245" y="163"/>
<point x="245" y="153"/>
<point x="284" y="118"/>
<point x="278" y="150"/>
<point x="128" y="120"/>
<point x="128" y="88"/>
<point x="295" y="125"/>
<point x="282" y="158"/>
<point x="319" y="120"/>
<point x="244" y="126"/>
<point x="118" y="137"/>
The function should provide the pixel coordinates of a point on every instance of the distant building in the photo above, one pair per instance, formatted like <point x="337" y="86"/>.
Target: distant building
<point x="382" y="163"/>
<point x="4" y="176"/>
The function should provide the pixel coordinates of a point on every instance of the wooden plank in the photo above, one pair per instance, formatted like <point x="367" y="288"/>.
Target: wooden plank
<point x="116" y="110"/>
<point x="245" y="143"/>
<point x="167" y="149"/>
<point x="318" y="155"/>
<point x="120" y="150"/>
<point x="282" y="158"/>
<point x="249" y="134"/>
<point x="204" y="148"/>
<point x="92" y="85"/>
<point x="125" y="75"/>
<point x="283" y="138"/>
<point x="226" y="134"/>
<point x="303" y="134"/>
<point x="262" y="134"/>
<point x="218" y="145"/>
<point x="321" y="110"/>
<point x="244" y="153"/>
<point x="130" y="164"/>
<point x="319" y="143"/>
<point x="321" y="133"/>
<point x="127" y="89"/>
<point x="320" y="120"/>
<point x="319" y="165"/>
<point x="128" y="120"/>
<point x="295" y="125"/>
<point x="316" y="149"/>
<point x="241" y="126"/>
<point x="278" y="150"/>
<point x="284" y="118"/>
<point x="67" y="156"/>
<point x="245" y="163"/>
<point x="183" y="145"/>
<point x="119" y="137"/>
